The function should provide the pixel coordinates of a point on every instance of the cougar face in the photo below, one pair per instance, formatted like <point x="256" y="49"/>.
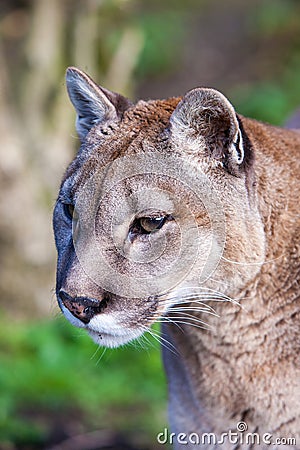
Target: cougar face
<point x="161" y="194"/>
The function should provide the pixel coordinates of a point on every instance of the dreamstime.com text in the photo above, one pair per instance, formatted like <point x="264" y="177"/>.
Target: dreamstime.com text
<point x="237" y="436"/>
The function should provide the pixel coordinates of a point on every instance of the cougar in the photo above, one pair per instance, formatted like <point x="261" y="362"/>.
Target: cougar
<point x="183" y="211"/>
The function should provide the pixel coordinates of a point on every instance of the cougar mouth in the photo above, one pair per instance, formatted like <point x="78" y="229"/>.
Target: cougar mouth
<point x="106" y="330"/>
<point x="112" y="340"/>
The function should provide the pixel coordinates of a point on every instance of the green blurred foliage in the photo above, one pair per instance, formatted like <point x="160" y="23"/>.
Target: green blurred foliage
<point x="274" y="98"/>
<point x="267" y="102"/>
<point x="50" y="369"/>
<point x="163" y="31"/>
<point x="276" y="16"/>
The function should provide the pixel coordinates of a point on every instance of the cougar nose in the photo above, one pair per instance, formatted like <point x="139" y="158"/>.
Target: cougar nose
<point x="84" y="308"/>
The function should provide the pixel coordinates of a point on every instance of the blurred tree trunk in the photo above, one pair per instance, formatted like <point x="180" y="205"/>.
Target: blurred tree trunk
<point x="36" y="45"/>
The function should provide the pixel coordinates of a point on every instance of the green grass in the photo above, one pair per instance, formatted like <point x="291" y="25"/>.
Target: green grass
<point x="50" y="370"/>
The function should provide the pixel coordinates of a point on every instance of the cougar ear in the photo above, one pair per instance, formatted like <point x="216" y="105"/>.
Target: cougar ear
<point x="206" y="121"/>
<point x="93" y="104"/>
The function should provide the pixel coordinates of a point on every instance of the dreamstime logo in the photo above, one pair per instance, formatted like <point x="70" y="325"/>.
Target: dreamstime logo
<point x="237" y="436"/>
<point x="150" y="184"/>
<point x="241" y="426"/>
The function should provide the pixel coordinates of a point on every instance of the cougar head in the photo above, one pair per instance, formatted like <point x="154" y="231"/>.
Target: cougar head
<point x="157" y="193"/>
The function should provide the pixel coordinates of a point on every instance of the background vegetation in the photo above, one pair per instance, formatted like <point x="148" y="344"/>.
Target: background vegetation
<point x="57" y="390"/>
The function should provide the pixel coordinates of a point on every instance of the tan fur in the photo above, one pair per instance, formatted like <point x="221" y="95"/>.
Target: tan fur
<point x="247" y="367"/>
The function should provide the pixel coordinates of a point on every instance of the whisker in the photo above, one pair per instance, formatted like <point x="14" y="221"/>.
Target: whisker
<point x="219" y="282"/>
<point x="199" y="307"/>
<point x="192" y="299"/>
<point x="200" y="295"/>
<point x="161" y="340"/>
<point x="216" y="297"/>
<point x="185" y="322"/>
<point x="208" y="291"/>
<point x="95" y="352"/>
<point x="187" y="301"/>
<point x="101" y="356"/>
<point x="164" y="343"/>
<point x="205" y="293"/>
<point x="160" y="319"/>
<point x="187" y="316"/>
<point x="195" y="297"/>
<point x="151" y="332"/>
<point x="144" y="342"/>
<point x="260" y="263"/>
<point x="138" y="344"/>
<point x="190" y="308"/>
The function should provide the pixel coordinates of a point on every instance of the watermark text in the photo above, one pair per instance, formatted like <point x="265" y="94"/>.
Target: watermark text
<point x="239" y="435"/>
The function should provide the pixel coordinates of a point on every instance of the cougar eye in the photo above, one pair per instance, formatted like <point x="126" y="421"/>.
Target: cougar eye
<point x="149" y="224"/>
<point x="69" y="210"/>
